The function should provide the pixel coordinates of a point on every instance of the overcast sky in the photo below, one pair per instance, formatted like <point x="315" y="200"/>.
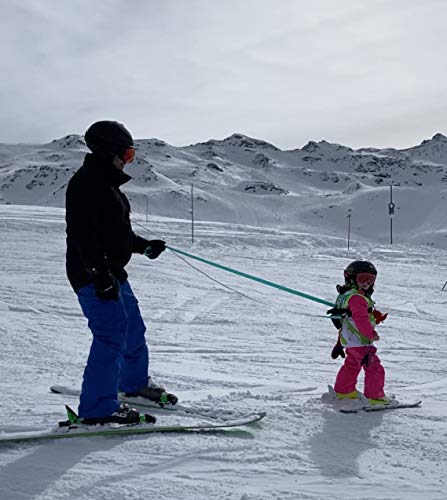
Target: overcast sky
<point x="356" y="72"/>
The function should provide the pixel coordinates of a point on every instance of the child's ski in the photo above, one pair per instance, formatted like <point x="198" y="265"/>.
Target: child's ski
<point x="362" y="403"/>
<point x="89" y="431"/>
<point x="392" y="406"/>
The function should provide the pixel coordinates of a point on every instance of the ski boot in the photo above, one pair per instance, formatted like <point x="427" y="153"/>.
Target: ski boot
<point x="380" y="401"/>
<point x="348" y="395"/>
<point x="123" y="416"/>
<point x="154" y="392"/>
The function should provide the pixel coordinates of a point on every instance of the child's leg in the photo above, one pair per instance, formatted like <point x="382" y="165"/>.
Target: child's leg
<point x="347" y="376"/>
<point x="374" y="376"/>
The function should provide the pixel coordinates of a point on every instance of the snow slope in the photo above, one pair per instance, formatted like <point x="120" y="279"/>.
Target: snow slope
<point x="215" y="347"/>
<point x="243" y="180"/>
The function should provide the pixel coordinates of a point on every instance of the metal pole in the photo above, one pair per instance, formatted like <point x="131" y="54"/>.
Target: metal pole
<point x="192" y="213"/>
<point x="391" y="216"/>
<point x="391" y="207"/>
<point x="147" y="207"/>
<point x="349" y="226"/>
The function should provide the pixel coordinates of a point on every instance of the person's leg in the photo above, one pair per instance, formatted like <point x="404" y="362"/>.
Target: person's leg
<point x="346" y="380"/>
<point x="108" y="322"/>
<point x="135" y="366"/>
<point x="374" y="376"/>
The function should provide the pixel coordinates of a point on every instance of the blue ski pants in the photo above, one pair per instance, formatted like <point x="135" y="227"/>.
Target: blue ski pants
<point x="119" y="357"/>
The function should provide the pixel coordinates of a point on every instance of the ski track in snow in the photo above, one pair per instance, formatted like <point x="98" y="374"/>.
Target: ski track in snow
<point x="215" y="348"/>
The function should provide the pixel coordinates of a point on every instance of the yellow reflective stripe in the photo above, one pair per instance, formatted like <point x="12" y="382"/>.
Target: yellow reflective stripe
<point x="350" y="325"/>
<point x="363" y="340"/>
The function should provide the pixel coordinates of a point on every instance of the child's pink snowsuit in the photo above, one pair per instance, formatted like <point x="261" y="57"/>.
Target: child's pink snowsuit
<point x="361" y="357"/>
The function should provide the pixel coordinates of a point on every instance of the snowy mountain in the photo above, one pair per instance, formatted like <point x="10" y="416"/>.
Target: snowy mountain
<point x="249" y="181"/>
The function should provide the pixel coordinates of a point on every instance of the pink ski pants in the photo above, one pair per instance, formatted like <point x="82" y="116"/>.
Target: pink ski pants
<point x="374" y="372"/>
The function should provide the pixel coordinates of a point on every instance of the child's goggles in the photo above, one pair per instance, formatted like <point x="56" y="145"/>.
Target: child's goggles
<point x="127" y="154"/>
<point x="366" y="279"/>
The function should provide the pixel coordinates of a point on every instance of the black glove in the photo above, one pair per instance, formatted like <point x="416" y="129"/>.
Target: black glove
<point x="369" y="352"/>
<point x="337" y="350"/>
<point x="106" y="285"/>
<point x="154" y="249"/>
<point x="342" y="313"/>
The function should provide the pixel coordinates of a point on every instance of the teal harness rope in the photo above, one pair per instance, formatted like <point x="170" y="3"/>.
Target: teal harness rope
<point x="244" y="275"/>
<point x="251" y="277"/>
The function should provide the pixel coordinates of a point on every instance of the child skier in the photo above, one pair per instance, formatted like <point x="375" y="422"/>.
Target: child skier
<point x="357" y="334"/>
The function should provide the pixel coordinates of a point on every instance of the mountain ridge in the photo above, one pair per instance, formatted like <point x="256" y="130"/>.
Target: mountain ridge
<point x="247" y="180"/>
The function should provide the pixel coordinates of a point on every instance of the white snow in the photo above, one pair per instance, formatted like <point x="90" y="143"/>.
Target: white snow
<point x="215" y="347"/>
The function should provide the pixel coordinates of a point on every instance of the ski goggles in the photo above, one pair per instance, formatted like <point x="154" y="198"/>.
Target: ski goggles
<point x="127" y="154"/>
<point x="366" y="279"/>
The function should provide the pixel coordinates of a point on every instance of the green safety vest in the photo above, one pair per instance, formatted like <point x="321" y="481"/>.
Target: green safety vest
<point x="350" y="336"/>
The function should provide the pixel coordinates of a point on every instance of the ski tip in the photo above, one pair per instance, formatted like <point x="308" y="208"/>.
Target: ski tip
<point x="70" y="411"/>
<point x="148" y="419"/>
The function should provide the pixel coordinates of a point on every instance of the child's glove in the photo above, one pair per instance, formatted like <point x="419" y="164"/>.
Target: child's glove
<point x="379" y="317"/>
<point x="338" y="350"/>
<point x="369" y="351"/>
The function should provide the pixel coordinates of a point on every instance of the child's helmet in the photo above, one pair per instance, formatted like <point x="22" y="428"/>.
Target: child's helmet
<point x="107" y="137"/>
<point x="357" y="267"/>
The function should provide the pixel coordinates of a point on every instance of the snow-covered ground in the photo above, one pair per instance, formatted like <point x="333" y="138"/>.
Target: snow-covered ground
<point x="215" y="347"/>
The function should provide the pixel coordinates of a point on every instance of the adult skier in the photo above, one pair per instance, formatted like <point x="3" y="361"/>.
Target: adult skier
<point x="100" y="242"/>
<point x="357" y="334"/>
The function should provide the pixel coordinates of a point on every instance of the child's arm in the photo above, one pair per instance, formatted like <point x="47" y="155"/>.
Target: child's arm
<point x="359" y="308"/>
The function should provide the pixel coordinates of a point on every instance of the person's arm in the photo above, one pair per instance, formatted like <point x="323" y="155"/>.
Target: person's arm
<point x="139" y="244"/>
<point x="84" y="226"/>
<point x="149" y="248"/>
<point x="359" y="308"/>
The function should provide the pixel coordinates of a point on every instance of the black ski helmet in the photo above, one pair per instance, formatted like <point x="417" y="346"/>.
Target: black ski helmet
<point x="357" y="267"/>
<point x="107" y="137"/>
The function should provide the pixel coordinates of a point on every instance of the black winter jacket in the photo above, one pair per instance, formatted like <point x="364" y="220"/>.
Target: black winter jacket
<point x="99" y="232"/>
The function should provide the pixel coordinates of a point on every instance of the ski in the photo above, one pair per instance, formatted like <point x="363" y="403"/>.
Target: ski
<point x="375" y="408"/>
<point x="79" y="430"/>
<point x="362" y="404"/>
<point x="179" y="409"/>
